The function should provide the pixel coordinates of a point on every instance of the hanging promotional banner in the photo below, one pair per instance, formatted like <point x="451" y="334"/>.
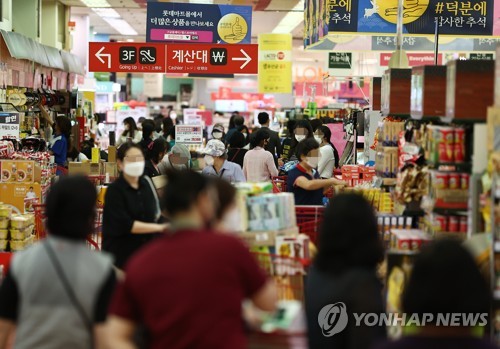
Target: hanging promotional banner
<point x="198" y="23"/>
<point x="464" y="18"/>
<point x="275" y="63"/>
<point x="316" y="21"/>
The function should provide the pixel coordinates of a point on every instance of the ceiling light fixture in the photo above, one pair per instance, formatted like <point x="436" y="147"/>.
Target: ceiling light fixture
<point x="291" y="20"/>
<point x="96" y="3"/>
<point x="121" y="26"/>
<point x="106" y="13"/>
<point x="201" y="2"/>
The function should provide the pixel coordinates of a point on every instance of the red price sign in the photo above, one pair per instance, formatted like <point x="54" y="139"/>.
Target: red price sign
<point x="126" y="57"/>
<point x="173" y="58"/>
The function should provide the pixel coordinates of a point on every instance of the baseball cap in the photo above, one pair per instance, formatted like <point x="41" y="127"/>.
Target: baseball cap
<point x="214" y="148"/>
<point x="218" y="128"/>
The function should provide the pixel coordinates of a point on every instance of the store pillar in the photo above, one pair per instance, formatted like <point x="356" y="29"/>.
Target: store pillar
<point x="26" y="18"/>
<point x="54" y="24"/>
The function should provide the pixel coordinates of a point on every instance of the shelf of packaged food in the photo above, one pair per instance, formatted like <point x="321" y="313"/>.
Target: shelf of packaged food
<point x="402" y="252"/>
<point x="450" y="211"/>
<point x="267" y="238"/>
<point x="455" y="167"/>
<point x="449" y="234"/>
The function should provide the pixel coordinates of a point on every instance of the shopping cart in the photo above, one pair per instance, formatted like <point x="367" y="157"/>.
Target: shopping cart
<point x="309" y="220"/>
<point x="279" y="184"/>
<point x="94" y="240"/>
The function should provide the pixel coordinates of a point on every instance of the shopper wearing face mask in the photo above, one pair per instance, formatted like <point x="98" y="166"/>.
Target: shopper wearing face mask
<point x="131" y="132"/>
<point x="132" y="210"/>
<point x="216" y="163"/>
<point x="258" y="165"/>
<point x="155" y="156"/>
<point x="301" y="130"/>
<point x="178" y="159"/>
<point x="304" y="180"/>
<point x="218" y="132"/>
<point x="329" y="155"/>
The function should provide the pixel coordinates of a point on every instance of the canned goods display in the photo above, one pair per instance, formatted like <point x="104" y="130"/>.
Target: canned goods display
<point x="453" y="224"/>
<point x="455" y="181"/>
<point x="458" y="153"/>
<point x="441" y="180"/>
<point x="441" y="222"/>
<point x="445" y="152"/>
<point x="464" y="179"/>
<point x="464" y="224"/>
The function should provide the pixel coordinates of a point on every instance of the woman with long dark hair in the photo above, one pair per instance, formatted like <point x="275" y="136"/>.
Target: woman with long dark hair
<point x="131" y="132"/>
<point x="329" y="159"/>
<point x="343" y="277"/>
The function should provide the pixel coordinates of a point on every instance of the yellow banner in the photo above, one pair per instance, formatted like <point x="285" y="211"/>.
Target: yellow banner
<point x="275" y="63"/>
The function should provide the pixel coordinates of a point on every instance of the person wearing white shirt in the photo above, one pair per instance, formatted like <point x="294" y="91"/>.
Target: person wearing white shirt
<point x="329" y="156"/>
<point x="131" y="132"/>
<point x="258" y="164"/>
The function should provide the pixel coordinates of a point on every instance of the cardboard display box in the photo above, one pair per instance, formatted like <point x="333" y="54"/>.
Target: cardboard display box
<point x="396" y="91"/>
<point x="18" y="171"/>
<point x="428" y="91"/>
<point x="469" y="89"/>
<point x="85" y="168"/>
<point x="21" y="195"/>
<point x="267" y="238"/>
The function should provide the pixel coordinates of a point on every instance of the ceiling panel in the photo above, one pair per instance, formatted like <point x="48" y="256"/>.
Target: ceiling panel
<point x="263" y="21"/>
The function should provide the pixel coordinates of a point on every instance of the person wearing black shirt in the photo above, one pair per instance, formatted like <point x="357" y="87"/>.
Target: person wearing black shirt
<point x="155" y="156"/>
<point x="344" y="271"/>
<point x="132" y="210"/>
<point x="236" y="153"/>
<point x="274" y="145"/>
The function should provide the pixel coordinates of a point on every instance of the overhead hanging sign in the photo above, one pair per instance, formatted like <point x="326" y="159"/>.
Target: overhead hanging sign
<point x="315" y="21"/>
<point x="198" y="23"/>
<point x="339" y="60"/>
<point x="212" y="59"/>
<point x="173" y="58"/>
<point x="414" y="59"/>
<point x="275" y="63"/>
<point x="469" y="18"/>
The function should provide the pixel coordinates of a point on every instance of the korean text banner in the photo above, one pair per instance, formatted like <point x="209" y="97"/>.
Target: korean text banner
<point x="454" y="17"/>
<point x="275" y="63"/>
<point x="198" y="23"/>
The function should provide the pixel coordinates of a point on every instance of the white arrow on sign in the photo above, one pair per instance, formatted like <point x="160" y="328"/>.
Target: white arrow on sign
<point x="99" y="56"/>
<point x="247" y="59"/>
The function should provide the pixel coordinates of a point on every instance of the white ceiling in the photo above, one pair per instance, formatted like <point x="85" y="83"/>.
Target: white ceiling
<point x="263" y="21"/>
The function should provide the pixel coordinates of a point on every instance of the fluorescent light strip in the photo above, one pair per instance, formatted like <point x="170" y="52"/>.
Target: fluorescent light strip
<point x="201" y="1"/>
<point x="96" y="3"/>
<point x="291" y="20"/>
<point x="121" y="26"/>
<point x="106" y="13"/>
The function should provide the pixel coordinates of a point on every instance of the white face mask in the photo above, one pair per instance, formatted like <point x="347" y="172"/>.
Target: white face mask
<point x="209" y="160"/>
<point x="134" y="169"/>
<point x="217" y="135"/>
<point x="300" y="138"/>
<point x="312" y="161"/>
<point x="318" y="139"/>
<point x="180" y="167"/>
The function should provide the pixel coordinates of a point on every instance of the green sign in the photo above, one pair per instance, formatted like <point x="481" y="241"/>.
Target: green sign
<point x="339" y="60"/>
<point x="481" y="56"/>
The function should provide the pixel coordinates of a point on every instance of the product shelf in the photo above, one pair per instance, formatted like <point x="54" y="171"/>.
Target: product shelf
<point x="454" y="167"/>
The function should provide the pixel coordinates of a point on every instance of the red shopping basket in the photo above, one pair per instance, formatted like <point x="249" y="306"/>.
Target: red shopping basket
<point x="309" y="220"/>
<point x="279" y="184"/>
<point x="94" y="241"/>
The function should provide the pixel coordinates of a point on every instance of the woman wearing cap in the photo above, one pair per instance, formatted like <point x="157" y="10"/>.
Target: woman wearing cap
<point x="218" y="132"/>
<point x="217" y="164"/>
<point x="179" y="159"/>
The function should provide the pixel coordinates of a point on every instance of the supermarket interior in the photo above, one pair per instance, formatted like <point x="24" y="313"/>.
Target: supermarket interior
<point x="250" y="174"/>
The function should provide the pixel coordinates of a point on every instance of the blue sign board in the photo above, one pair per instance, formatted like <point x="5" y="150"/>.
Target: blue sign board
<point x="198" y="23"/>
